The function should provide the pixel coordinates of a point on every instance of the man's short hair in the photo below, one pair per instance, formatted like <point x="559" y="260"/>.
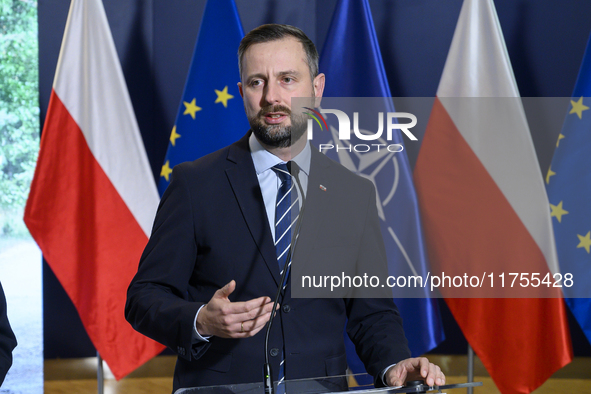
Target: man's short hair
<point x="273" y="32"/>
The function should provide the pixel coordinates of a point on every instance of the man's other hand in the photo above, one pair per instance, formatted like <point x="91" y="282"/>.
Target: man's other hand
<point x="418" y="368"/>
<point x="226" y="319"/>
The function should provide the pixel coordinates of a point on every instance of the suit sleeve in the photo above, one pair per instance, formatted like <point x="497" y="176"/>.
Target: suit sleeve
<point x="7" y="339"/>
<point x="374" y="324"/>
<point x="158" y="304"/>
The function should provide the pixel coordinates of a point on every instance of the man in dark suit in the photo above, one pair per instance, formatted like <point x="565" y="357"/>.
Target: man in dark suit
<point x="207" y="276"/>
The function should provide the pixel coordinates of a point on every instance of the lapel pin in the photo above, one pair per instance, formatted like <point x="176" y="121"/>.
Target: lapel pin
<point x="322" y="188"/>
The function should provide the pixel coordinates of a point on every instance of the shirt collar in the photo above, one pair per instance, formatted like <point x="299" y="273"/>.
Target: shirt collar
<point x="264" y="160"/>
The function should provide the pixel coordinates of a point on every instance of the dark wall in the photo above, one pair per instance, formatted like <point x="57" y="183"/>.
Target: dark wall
<point x="155" y="38"/>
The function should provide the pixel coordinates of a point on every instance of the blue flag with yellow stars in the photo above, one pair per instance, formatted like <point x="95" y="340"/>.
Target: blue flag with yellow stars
<point x="351" y="58"/>
<point x="569" y="191"/>
<point x="211" y="112"/>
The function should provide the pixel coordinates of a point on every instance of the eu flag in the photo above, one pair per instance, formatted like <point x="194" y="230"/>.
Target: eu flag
<point x="211" y="113"/>
<point x="352" y="62"/>
<point x="569" y="192"/>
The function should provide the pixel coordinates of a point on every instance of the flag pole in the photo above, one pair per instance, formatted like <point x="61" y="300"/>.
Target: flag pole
<point x="100" y="376"/>
<point x="470" y="368"/>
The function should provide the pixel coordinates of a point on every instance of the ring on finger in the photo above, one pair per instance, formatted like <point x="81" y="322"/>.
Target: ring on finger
<point x="242" y="327"/>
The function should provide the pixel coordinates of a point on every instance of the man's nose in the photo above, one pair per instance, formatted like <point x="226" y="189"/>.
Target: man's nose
<point x="271" y="94"/>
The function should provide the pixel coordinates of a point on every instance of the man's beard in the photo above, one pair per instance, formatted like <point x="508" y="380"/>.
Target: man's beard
<point x="277" y="136"/>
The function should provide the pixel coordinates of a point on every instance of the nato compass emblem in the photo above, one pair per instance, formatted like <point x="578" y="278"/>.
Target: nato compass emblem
<point x="381" y="163"/>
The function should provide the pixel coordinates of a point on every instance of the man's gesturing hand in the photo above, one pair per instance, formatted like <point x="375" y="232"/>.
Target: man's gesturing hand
<point x="418" y="368"/>
<point x="226" y="319"/>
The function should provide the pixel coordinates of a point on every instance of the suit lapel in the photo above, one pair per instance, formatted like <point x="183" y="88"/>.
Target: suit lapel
<point x="318" y="202"/>
<point x="317" y="199"/>
<point x="245" y="185"/>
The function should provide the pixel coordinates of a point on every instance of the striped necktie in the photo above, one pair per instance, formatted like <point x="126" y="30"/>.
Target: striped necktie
<point x="286" y="215"/>
<point x="287" y="209"/>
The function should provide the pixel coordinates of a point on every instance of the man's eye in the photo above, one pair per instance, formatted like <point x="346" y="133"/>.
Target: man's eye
<point x="288" y="79"/>
<point x="256" y="82"/>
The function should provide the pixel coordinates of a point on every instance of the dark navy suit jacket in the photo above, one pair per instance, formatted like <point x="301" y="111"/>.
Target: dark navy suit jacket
<point x="212" y="227"/>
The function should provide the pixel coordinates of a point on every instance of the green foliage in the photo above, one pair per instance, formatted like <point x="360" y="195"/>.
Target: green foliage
<point x="19" y="104"/>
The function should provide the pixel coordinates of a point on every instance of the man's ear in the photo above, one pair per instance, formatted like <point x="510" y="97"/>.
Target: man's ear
<point x="318" y="89"/>
<point x="319" y="85"/>
<point x="240" y="89"/>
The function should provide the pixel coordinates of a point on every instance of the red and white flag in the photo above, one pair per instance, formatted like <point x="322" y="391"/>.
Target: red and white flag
<point x="93" y="196"/>
<point x="484" y="205"/>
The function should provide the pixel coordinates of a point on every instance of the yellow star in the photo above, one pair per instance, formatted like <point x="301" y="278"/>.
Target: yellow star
<point x="584" y="242"/>
<point x="166" y="171"/>
<point x="557" y="211"/>
<point x="560" y="136"/>
<point x="174" y="136"/>
<point x="223" y="96"/>
<point x="550" y="173"/>
<point x="191" y="108"/>
<point x="578" y="107"/>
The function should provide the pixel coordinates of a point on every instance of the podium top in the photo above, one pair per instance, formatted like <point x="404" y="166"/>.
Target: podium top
<point x="358" y="383"/>
<point x="329" y="384"/>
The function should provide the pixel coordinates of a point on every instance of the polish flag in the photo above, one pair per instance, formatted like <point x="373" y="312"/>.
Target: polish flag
<point x="93" y="196"/>
<point x="485" y="210"/>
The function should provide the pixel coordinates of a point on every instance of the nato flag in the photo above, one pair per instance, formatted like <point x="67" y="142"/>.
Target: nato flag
<point x="353" y="66"/>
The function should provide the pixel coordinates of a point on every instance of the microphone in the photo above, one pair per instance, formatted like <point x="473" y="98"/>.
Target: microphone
<point x="294" y="170"/>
